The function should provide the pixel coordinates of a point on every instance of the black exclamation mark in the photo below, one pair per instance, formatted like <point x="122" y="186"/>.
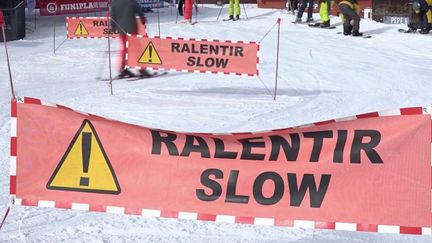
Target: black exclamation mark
<point x="86" y="148"/>
<point x="150" y="53"/>
<point x="81" y="32"/>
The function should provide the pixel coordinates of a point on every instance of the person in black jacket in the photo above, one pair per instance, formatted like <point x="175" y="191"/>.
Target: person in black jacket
<point x="124" y="21"/>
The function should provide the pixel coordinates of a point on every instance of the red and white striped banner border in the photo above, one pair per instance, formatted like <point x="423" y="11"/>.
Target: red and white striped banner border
<point x="207" y="217"/>
<point x="199" y="71"/>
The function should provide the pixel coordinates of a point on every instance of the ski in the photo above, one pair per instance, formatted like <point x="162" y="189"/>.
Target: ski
<point x="407" y="31"/>
<point x="410" y="31"/>
<point x="305" y="23"/>
<point x="318" y="25"/>
<point x="231" y="19"/>
<point x="153" y="75"/>
<point x="364" y="36"/>
<point x="134" y="78"/>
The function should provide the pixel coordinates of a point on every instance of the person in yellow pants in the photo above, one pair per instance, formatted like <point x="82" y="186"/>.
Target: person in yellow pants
<point x="325" y="7"/>
<point x="234" y="4"/>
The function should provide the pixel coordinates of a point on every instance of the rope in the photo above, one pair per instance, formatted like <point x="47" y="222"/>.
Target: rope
<point x="268" y="32"/>
<point x="4" y="217"/>
<point x="265" y="86"/>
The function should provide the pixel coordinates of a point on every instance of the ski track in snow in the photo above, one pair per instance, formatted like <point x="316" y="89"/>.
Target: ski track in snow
<point x="322" y="76"/>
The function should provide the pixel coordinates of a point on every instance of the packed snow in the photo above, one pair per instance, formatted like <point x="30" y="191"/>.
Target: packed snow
<point x="322" y="75"/>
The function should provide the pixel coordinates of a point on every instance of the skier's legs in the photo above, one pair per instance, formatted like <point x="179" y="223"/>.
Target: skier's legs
<point x="324" y="12"/>
<point x="310" y="8"/>
<point x="231" y="8"/>
<point x="352" y="20"/>
<point x="425" y="21"/>
<point x="188" y="10"/>
<point x="302" y="9"/>
<point x="237" y="7"/>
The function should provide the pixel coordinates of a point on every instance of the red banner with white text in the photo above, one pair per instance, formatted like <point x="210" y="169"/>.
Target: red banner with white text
<point x="368" y="173"/>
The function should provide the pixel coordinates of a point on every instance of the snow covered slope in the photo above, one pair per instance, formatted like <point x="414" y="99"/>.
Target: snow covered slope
<point x="323" y="75"/>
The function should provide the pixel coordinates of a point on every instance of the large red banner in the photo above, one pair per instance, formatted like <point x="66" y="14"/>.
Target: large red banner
<point x="368" y="173"/>
<point x="193" y="55"/>
<point x="64" y="7"/>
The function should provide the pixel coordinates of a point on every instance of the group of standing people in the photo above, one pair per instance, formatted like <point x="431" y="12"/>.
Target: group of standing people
<point x="184" y="8"/>
<point x="350" y="14"/>
<point x="349" y="11"/>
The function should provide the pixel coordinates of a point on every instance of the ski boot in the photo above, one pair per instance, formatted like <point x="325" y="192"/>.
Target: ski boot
<point x="309" y="20"/>
<point x="237" y="17"/>
<point x="125" y="73"/>
<point x="325" y="24"/>
<point x="424" y="31"/>
<point x="297" y="20"/>
<point x="357" y="33"/>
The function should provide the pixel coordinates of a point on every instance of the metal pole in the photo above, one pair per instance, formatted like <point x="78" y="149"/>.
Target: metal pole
<point x="158" y="6"/>
<point x="220" y="11"/>
<point x="244" y="9"/>
<point x="109" y="53"/>
<point x="7" y="59"/>
<point x="196" y="12"/>
<point x="54" y="35"/>
<point x="34" y="12"/>
<point x="177" y="14"/>
<point x="277" y="58"/>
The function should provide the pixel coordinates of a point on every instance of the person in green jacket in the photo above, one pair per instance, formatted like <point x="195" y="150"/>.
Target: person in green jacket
<point x="234" y="4"/>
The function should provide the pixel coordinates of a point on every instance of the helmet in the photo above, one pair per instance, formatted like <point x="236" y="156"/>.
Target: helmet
<point x="416" y="7"/>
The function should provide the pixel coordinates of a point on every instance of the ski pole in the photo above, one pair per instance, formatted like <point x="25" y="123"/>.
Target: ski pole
<point x="244" y="9"/>
<point x="177" y="14"/>
<point x="277" y="59"/>
<point x="220" y="11"/>
<point x="196" y="11"/>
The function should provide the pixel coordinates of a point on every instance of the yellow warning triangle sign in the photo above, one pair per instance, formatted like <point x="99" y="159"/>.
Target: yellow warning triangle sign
<point x="85" y="167"/>
<point x="150" y="55"/>
<point x="81" y="29"/>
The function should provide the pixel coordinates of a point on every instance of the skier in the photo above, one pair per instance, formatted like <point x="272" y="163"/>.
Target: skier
<point x="423" y="8"/>
<point x="123" y="21"/>
<point x="234" y="4"/>
<point x="325" y="7"/>
<point x="310" y="5"/>
<point x="350" y="14"/>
